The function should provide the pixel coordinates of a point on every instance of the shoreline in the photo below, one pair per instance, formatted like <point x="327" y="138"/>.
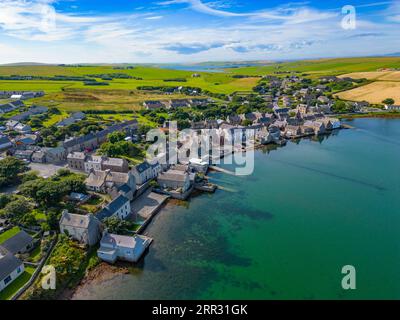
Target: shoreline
<point x="383" y="115"/>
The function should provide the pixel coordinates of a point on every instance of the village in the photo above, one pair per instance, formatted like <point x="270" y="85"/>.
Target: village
<point x="110" y="200"/>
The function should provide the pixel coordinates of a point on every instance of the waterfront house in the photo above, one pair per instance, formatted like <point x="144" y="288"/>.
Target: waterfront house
<point x="145" y="171"/>
<point x="120" y="207"/>
<point x="10" y="268"/>
<point x="198" y="165"/>
<point x="175" y="180"/>
<point x="392" y="107"/>
<point x="127" y="248"/>
<point x="85" y="229"/>
<point x="20" y="243"/>
<point x="319" y="127"/>
<point x="293" y="131"/>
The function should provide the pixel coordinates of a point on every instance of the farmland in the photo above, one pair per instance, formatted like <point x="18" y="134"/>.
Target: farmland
<point x="375" y="92"/>
<point x="124" y="94"/>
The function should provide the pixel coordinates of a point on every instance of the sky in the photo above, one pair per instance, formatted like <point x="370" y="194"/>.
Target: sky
<point x="192" y="31"/>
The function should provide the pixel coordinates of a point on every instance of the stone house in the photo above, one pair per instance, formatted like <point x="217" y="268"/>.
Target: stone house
<point x="85" y="229"/>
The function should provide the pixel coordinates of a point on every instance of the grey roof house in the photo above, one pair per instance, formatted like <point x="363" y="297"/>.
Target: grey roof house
<point x="19" y="243"/>
<point x="10" y="268"/>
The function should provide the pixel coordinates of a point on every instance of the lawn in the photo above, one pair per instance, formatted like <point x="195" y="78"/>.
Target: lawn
<point x="13" y="288"/>
<point x="9" y="234"/>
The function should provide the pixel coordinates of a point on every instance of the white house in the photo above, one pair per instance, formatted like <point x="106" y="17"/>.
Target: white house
<point x="10" y="268"/>
<point x="145" y="172"/>
<point x="128" y="248"/>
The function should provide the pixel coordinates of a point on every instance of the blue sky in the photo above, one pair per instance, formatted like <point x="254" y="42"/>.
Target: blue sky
<point x="188" y="31"/>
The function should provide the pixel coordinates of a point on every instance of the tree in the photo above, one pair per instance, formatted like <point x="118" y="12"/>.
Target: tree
<point x="10" y="168"/>
<point x="116" y="225"/>
<point x="388" y="101"/>
<point x="116" y="136"/>
<point x="17" y="209"/>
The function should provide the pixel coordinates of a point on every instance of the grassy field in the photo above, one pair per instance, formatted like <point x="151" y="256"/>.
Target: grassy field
<point x="324" y="66"/>
<point x="122" y="94"/>
<point x="9" y="234"/>
<point x="375" y="92"/>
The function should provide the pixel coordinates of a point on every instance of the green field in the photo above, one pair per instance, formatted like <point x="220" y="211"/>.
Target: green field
<point x="9" y="234"/>
<point x="123" y="94"/>
<point x="324" y="66"/>
<point x="17" y="284"/>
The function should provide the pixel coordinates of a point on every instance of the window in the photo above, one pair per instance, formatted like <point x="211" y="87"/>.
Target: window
<point x="19" y="270"/>
<point x="7" y="280"/>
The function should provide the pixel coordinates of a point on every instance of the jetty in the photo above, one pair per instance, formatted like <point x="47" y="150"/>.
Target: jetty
<point x="222" y="170"/>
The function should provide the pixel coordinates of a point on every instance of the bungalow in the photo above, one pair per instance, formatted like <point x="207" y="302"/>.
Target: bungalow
<point x="10" y="268"/>
<point x="127" y="248"/>
<point x="19" y="244"/>
<point x="152" y="105"/>
<point x="174" y="179"/>
<point x="179" y="103"/>
<point x="120" y="207"/>
<point x="392" y="107"/>
<point x="200" y="102"/>
<point x="5" y="143"/>
<point x="85" y="229"/>
<point x="4" y="108"/>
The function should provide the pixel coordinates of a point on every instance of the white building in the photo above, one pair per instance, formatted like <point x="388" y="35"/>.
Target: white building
<point x="128" y="248"/>
<point x="10" y="268"/>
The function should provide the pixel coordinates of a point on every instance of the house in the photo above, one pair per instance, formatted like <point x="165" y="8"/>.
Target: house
<point x="27" y="140"/>
<point x="85" y="229"/>
<point x="89" y="162"/>
<point x="55" y="155"/>
<point x="23" y="154"/>
<point x="38" y="157"/>
<point x="323" y="99"/>
<point x="5" y="143"/>
<point x="75" y="117"/>
<point x="152" y="105"/>
<point x="4" y="108"/>
<point x="145" y="171"/>
<point x="10" y="125"/>
<point x="234" y="120"/>
<point x="115" y="164"/>
<point x="293" y="131"/>
<point x="76" y="161"/>
<point x="22" y="128"/>
<point x="179" y="103"/>
<point x="392" y="107"/>
<point x="19" y="243"/>
<point x="174" y="179"/>
<point x="282" y="113"/>
<point x="200" y="102"/>
<point x="120" y="207"/>
<point x="10" y="268"/>
<point x="127" y="248"/>
<point x="198" y="165"/>
<point x="319" y="127"/>
<point x="102" y="181"/>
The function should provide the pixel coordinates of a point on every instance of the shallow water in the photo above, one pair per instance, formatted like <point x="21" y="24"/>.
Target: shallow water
<point x="284" y="232"/>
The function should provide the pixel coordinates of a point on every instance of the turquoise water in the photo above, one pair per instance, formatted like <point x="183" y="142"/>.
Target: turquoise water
<point x="286" y="231"/>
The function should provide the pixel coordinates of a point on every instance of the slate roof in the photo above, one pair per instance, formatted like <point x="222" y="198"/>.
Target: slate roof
<point x="8" y="263"/>
<point x="142" y="167"/>
<point x="17" y="242"/>
<point x="75" y="220"/>
<point x="112" y="207"/>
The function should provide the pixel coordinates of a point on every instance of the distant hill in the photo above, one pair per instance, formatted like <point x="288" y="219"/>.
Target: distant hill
<point x="21" y="64"/>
